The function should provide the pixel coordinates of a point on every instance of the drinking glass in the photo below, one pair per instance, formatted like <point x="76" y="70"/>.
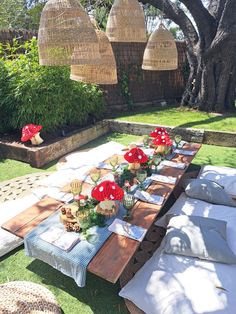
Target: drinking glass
<point x="178" y="139"/>
<point x="95" y="176"/>
<point x="141" y="176"/>
<point x="128" y="203"/>
<point x="146" y="141"/>
<point x="156" y="159"/>
<point x="113" y="162"/>
<point x="76" y="187"/>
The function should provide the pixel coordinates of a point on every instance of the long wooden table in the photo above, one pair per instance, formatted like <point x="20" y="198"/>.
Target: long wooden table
<point x="111" y="260"/>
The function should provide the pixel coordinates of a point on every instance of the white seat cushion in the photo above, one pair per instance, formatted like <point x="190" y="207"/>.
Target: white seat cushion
<point x="10" y="209"/>
<point x="173" y="284"/>
<point x="169" y="284"/>
<point x="225" y="176"/>
<point x="190" y="206"/>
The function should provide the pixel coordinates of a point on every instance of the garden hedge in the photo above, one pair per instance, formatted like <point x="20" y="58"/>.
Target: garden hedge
<point x="30" y="93"/>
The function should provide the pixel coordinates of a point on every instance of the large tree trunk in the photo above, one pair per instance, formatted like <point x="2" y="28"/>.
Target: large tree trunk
<point x="211" y="85"/>
<point x="211" y="51"/>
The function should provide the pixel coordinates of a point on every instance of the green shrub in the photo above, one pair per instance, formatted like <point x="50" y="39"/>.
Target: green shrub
<point x="31" y="93"/>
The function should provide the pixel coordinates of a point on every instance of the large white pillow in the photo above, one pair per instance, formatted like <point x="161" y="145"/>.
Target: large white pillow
<point x="10" y="209"/>
<point x="190" y="206"/>
<point x="225" y="176"/>
<point x="174" y="284"/>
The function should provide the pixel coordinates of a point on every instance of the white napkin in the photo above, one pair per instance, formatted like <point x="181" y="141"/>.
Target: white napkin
<point x="54" y="193"/>
<point x="178" y="165"/>
<point x="149" y="198"/>
<point x="126" y="229"/>
<point x="148" y="151"/>
<point x="164" y="179"/>
<point x="185" y="152"/>
<point x="104" y="165"/>
<point x="60" y="238"/>
<point x="108" y="176"/>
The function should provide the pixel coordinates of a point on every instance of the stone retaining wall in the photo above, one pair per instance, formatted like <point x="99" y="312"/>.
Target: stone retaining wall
<point x="189" y="135"/>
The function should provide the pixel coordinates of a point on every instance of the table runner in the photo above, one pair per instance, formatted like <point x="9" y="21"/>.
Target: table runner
<point x="75" y="262"/>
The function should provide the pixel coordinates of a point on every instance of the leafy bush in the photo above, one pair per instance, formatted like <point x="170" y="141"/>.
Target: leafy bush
<point x="30" y="93"/>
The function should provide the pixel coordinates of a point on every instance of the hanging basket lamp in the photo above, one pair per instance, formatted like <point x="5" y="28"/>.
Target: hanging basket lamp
<point x="66" y="36"/>
<point x="161" y="52"/>
<point x="102" y="73"/>
<point x="126" y="22"/>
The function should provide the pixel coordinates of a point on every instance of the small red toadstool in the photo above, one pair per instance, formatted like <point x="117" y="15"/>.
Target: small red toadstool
<point x="30" y="132"/>
<point x="159" y="131"/>
<point x="162" y="143"/>
<point x="135" y="157"/>
<point x="107" y="192"/>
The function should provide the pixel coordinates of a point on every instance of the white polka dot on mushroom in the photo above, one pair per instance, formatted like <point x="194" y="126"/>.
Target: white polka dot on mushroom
<point x="101" y="189"/>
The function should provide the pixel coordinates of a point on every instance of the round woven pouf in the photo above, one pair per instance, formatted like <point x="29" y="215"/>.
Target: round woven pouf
<point x="23" y="297"/>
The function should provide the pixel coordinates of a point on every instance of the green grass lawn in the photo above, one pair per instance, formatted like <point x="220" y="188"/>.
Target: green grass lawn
<point x="98" y="296"/>
<point x="182" y="117"/>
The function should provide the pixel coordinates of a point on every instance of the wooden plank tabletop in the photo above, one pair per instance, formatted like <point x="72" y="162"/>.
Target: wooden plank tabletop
<point x="111" y="260"/>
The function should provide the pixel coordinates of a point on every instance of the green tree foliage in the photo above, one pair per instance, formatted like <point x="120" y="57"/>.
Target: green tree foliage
<point x="30" y="93"/>
<point x="13" y="14"/>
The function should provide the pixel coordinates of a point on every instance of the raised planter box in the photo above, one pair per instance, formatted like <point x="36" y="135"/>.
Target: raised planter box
<point x="189" y="135"/>
<point x="38" y="156"/>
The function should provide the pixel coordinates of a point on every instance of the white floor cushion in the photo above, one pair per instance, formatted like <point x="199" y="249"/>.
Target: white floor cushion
<point x="10" y="209"/>
<point x="172" y="284"/>
<point x="225" y="176"/>
<point x="190" y="206"/>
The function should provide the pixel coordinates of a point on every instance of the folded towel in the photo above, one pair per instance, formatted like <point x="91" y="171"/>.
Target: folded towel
<point x="178" y="165"/>
<point x="128" y="230"/>
<point x="185" y="152"/>
<point x="60" y="238"/>
<point x="164" y="179"/>
<point x="149" y="198"/>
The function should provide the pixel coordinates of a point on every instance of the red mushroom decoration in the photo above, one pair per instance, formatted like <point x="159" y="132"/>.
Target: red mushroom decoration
<point x="31" y="132"/>
<point x="107" y="192"/>
<point x="158" y="132"/>
<point x="162" y="144"/>
<point x="135" y="157"/>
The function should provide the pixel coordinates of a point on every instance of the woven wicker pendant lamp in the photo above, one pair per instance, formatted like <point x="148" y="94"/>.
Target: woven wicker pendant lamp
<point x="103" y="73"/>
<point x="161" y="51"/>
<point x="126" y="22"/>
<point x="66" y="35"/>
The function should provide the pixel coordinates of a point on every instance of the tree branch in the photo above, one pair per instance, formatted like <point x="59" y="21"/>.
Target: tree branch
<point x="216" y="8"/>
<point x="227" y="26"/>
<point x="205" y="22"/>
<point x="177" y="15"/>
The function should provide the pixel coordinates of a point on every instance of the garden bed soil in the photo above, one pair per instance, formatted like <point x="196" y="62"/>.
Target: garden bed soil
<point x="53" y="146"/>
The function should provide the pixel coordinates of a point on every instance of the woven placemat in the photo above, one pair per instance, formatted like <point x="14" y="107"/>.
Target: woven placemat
<point x="23" y="297"/>
<point x="20" y="186"/>
<point x="146" y="249"/>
